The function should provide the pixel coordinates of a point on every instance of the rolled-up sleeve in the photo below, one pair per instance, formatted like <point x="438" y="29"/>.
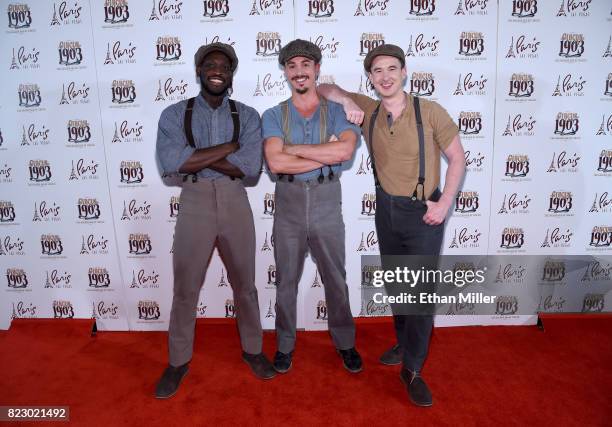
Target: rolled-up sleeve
<point x="248" y="158"/>
<point x="172" y="147"/>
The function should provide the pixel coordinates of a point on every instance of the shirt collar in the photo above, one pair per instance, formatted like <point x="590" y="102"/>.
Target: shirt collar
<point x="202" y="102"/>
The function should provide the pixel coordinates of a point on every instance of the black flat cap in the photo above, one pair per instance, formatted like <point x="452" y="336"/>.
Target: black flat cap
<point x="384" y="50"/>
<point x="299" y="47"/>
<point x="217" y="47"/>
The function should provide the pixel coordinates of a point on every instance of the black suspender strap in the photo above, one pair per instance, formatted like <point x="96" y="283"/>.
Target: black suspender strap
<point x="421" y="134"/>
<point x="419" y="123"/>
<point x="235" y="120"/>
<point x="187" y="122"/>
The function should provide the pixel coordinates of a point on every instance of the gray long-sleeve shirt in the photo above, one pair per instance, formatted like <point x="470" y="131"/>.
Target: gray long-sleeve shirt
<point x="210" y="127"/>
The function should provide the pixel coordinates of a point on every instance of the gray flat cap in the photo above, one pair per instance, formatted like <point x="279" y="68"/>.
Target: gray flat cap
<point x="299" y="47"/>
<point x="217" y="47"/>
<point x="384" y="50"/>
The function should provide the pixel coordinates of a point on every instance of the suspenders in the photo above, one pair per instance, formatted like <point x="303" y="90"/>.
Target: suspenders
<point x="419" y="123"/>
<point x="322" y="134"/>
<point x="189" y="131"/>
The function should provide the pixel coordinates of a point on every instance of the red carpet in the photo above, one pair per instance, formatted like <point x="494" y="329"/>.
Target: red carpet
<point x="478" y="375"/>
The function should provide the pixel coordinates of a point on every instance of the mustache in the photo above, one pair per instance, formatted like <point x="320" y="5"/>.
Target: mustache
<point x="303" y="76"/>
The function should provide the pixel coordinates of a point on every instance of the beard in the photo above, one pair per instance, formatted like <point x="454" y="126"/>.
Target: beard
<point x="217" y="90"/>
<point x="302" y="91"/>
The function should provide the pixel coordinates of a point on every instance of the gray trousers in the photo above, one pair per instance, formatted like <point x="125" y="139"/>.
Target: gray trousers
<point x="213" y="211"/>
<point x="309" y="216"/>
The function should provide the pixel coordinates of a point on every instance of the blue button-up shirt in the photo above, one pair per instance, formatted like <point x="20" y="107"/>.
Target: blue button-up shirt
<point x="307" y="130"/>
<point x="210" y="127"/>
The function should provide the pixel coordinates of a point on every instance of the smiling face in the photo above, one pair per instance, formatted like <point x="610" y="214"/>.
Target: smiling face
<point x="301" y="72"/>
<point x="387" y="76"/>
<point x="215" y="73"/>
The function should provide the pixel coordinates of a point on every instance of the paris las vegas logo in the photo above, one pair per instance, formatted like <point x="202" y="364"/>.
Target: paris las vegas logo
<point x="605" y="128"/>
<point x="520" y="125"/>
<point x="46" y="212"/>
<point x="423" y="46"/>
<point x="523" y="47"/>
<point x="84" y="170"/>
<point x="472" y="8"/>
<point x="268" y="85"/>
<point x="66" y="13"/>
<point x="602" y="203"/>
<point x="515" y="203"/>
<point x="74" y="93"/>
<point x="328" y="46"/>
<point x="11" y="246"/>
<point x="171" y="89"/>
<point x="557" y="238"/>
<point x="25" y="58"/>
<point x="135" y="210"/>
<point x="127" y="132"/>
<point x="57" y="280"/>
<point x="464" y="238"/>
<point x="372" y="8"/>
<point x="573" y="8"/>
<point x="120" y="53"/>
<point x="166" y="10"/>
<point x="267" y="7"/>
<point x="105" y="310"/>
<point x="471" y="85"/>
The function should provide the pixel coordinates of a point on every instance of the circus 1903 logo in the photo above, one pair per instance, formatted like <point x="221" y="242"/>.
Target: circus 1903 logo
<point x="601" y="237"/>
<point x="271" y="277"/>
<point x="40" y="171"/>
<point x="560" y="202"/>
<point x="66" y="13"/>
<point x="120" y="54"/>
<point x="467" y="203"/>
<point x="470" y="123"/>
<point x="75" y="94"/>
<point x="593" y="303"/>
<point x="372" y="8"/>
<point x="368" y="205"/>
<point x="148" y="310"/>
<point x="7" y="212"/>
<point x="79" y="132"/>
<point x="512" y="238"/>
<point x="51" y="245"/>
<point x="321" y="310"/>
<point x="16" y="278"/>
<point x="29" y="95"/>
<point x="131" y="172"/>
<point x="572" y="8"/>
<point x="422" y="84"/>
<point x="472" y="8"/>
<point x="166" y="10"/>
<point x="269" y="205"/>
<point x="422" y="9"/>
<point x="524" y="10"/>
<point x="471" y="86"/>
<point x="98" y="277"/>
<point x="174" y="206"/>
<point x="506" y="305"/>
<point x="518" y="125"/>
<point x="321" y="9"/>
<point x="267" y="7"/>
<point x="566" y="124"/>
<point x="517" y="166"/>
<point x="604" y="163"/>
<point x="116" y="12"/>
<point x="422" y="46"/>
<point x="521" y="86"/>
<point x="471" y="44"/>
<point x="369" y="41"/>
<point x="88" y="209"/>
<point x="168" y="50"/>
<point x="268" y="44"/>
<point x="230" y="308"/>
<point x="170" y="89"/>
<point x="19" y="16"/>
<point x="63" y="310"/>
<point x="523" y="47"/>
<point x="216" y="9"/>
<point x="70" y="53"/>
<point x="139" y="244"/>
<point x="123" y="92"/>
<point x="571" y="47"/>
<point x="25" y="59"/>
<point x="608" y="87"/>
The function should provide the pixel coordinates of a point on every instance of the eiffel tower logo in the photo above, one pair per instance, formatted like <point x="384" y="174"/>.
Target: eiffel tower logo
<point x="258" y="91"/>
<point x="125" y="215"/>
<point x="14" y="62"/>
<point x="172" y="248"/>
<point x="586" y="277"/>
<point x="454" y="241"/>
<point x="460" y="10"/>
<point x="153" y="16"/>
<point x="36" y="217"/>
<point x="458" y="90"/>
<point x="116" y="135"/>
<point x="409" y="51"/>
<point x="557" y="91"/>
<point x="359" y="11"/>
<point x="63" y="101"/>
<point x="498" y="278"/>
<point x="508" y="131"/>
<point x="160" y="95"/>
<point x="316" y="283"/>
<point x="510" y="53"/>
<point x="503" y="209"/>
<point x="2" y="252"/>
<point x="546" y="242"/>
<point x="562" y="9"/>
<point x="222" y="281"/>
<point x="54" y="20"/>
<point x="24" y="140"/>
<point x="361" y="170"/>
<point x="94" y="315"/>
<point x="14" y="315"/>
<point x="254" y="10"/>
<point x="602" y="129"/>
<point x="73" y="175"/>
<point x="552" y="167"/>
<point x="266" y="246"/>
<point x="362" y="246"/>
<point x="109" y="59"/>
<point x="134" y="283"/>
<point x="270" y="312"/>
<point x="47" y="281"/>
<point x="608" y="52"/>
<point x="83" y="247"/>
<point x="594" y="207"/>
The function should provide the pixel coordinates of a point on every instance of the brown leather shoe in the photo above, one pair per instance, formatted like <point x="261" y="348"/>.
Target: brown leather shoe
<point x="171" y="379"/>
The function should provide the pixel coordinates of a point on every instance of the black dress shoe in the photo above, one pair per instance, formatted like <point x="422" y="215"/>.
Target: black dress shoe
<point x="170" y="381"/>
<point x="260" y="365"/>
<point x="393" y="356"/>
<point x="418" y="391"/>
<point x="282" y="362"/>
<point x="351" y="360"/>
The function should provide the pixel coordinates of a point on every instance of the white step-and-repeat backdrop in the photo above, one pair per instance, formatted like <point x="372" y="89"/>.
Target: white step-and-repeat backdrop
<point x="86" y="224"/>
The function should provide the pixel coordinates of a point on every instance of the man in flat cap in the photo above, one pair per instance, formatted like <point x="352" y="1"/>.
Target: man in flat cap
<point x="306" y="139"/>
<point x="406" y="136"/>
<point x="213" y="142"/>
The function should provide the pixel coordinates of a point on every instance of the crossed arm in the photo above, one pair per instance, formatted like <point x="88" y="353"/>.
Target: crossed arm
<point x="299" y="158"/>
<point x="213" y="158"/>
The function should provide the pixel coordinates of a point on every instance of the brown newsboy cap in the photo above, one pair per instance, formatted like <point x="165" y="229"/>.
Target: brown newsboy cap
<point x="299" y="47"/>
<point x="217" y="47"/>
<point x="384" y="50"/>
